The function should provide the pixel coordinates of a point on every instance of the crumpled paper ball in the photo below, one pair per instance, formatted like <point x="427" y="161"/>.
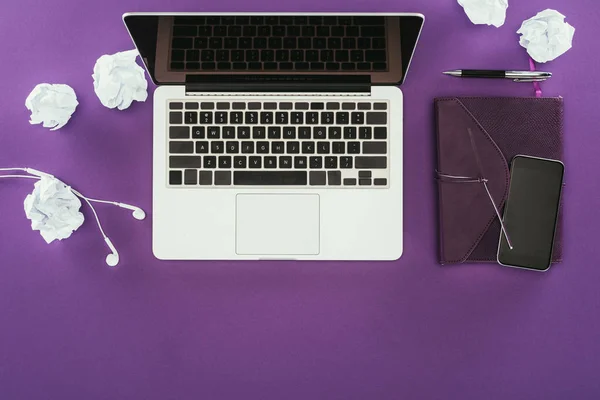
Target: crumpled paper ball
<point x="119" y="80"/>
<point x="546" y="36"/>
<point x="53" y="209"/>
<point x="51" y="105"/>
<point x="488" y="12"/>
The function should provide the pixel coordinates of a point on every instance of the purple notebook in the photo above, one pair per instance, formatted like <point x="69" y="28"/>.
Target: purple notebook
<point x="478" y="137"/>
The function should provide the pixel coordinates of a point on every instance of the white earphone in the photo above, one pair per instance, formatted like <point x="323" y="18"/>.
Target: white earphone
<point x="112" y="259"/>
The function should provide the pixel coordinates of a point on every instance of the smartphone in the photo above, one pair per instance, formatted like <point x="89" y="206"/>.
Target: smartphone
<point x="531" y="212"/>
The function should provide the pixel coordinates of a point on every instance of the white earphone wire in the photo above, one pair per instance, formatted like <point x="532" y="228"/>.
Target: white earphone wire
<point x="20" y="176"/>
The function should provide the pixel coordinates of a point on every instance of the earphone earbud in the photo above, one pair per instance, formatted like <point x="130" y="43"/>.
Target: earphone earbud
<point x="113" y="258"/>
<point x="138" y="213"/>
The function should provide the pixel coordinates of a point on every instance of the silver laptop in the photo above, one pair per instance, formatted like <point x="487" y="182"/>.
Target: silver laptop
<point x="277" y="136"/>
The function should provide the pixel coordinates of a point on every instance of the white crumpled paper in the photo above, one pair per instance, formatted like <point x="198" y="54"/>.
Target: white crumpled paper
<point x="119" y="80"/>
<point x="546" y="36"/>
<point x="53" y="209"/>
<point x="51" y="105"/>
<point x="489" y="12"/>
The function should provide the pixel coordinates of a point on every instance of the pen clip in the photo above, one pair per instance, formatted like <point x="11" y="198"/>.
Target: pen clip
<point x="530" y="79"/>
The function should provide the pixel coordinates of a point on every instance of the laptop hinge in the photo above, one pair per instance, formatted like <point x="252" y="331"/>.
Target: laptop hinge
<point x="278" y="84"/>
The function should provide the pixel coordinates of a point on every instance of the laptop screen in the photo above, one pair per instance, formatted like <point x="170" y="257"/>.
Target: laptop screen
<point x="174" y="47"/>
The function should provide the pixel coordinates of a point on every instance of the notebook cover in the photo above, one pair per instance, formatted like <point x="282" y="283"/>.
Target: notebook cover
<point x="501" y="128"/>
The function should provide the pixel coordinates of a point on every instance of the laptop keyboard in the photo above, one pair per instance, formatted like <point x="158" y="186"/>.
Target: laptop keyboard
<point x="279" y="43"/>
<point x="254" y="143"/>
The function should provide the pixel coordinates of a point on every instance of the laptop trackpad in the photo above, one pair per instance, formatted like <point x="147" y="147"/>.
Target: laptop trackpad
<point x="277" y="224"/>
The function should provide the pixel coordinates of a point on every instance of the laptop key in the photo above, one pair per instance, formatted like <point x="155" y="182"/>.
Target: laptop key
<point x="179" y="132"/>
<point x="297" y="118"/>
<point x="274" y="132"/>
<point x="243" y="132"/>
<point x="380" y="181"/>
<point x="350" y="182"/>
<point x="308" y="147"/>
<point x="312" y="118"/>
<point x="220" y="117"/>
<point x="354" y="147"/>
<point x="228" y="132"/>
<point x="191" y="117"/>
<point x="266" y="117"/>
<point x="175" y="106"/>
<point x="339" y="148"/>
<point x="327" y="118"/>
<point x="345" y="162"/>
<point x="182" y="43"/>
<point x="335" y="132"/>
<point x="201" y="147"/>
<point x="217" y="147"/>
<point x="323" y="147"/>
<point x="289" y="132"/>
<point x="319" y="133"/>
<point x="247" y="147"/>
<point x="281" y="118"/>
<point x="374" y="148"/>
<point x="237" y="117"/>
<point x="342" y="118"/>
<point x="277" y="147"/>
<point x="333" y="106"/>
<point x="372" y="162"/>
<point x="206" y="117"/>
<point x="181" y="147"/>
<point x="210" y="162"/>
<point x="376" y="118"/>
<point x="175" y="117"/>
<point x="318" y="178"/>
<point x="225" y="162"/>
<point x="232" y="147"/>
<point x="334" y="178"/>
<point x="239" y="162"/>
<point x="350" y="132"/>
<point x="364" y="132"/>
<point x="175" y="177"/>
<point x="205" y="178"/>
<point x="357" y="118"/>
<point x="285" y="162"/>
<point x="213" y="132"/>
<point x="304" y="132"/>
<point x="254" y="162"/>
<point x="251" y="117"/>
<point x="331" y="162"/>
<point x="262" y="147"/>
<point x="380" y="132"/>
<point x="316" y="162"/>
<point x="185" y="162"/>
<point x="269" y="178"/>
<point x="259" y="132"/>
<point x="270" y="162"/>
<point x="300" y="162"/>
<point x="380" y="106"/>
<point x="293" y="147"/>
<point x="222" y="178"/>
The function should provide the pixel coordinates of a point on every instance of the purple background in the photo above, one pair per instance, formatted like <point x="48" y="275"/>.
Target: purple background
<point x="72" y="328"/>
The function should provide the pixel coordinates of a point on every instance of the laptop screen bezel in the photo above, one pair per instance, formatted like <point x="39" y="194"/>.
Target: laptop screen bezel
<point x="410" y="34"/>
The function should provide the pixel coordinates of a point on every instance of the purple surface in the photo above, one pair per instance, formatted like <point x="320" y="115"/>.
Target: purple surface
<point x="72" y="328"/>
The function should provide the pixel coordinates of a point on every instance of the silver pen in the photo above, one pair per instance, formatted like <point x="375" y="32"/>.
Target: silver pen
<point x="517" y="76"/>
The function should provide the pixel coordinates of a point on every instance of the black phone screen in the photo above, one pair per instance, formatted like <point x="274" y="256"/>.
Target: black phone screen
<point x="531" y="212"/>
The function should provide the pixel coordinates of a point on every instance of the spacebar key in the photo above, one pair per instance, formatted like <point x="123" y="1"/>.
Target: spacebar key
<point x="269" y="178"/>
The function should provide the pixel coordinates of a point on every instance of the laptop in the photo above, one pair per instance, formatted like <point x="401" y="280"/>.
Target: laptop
<point x="277" y="135"/>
